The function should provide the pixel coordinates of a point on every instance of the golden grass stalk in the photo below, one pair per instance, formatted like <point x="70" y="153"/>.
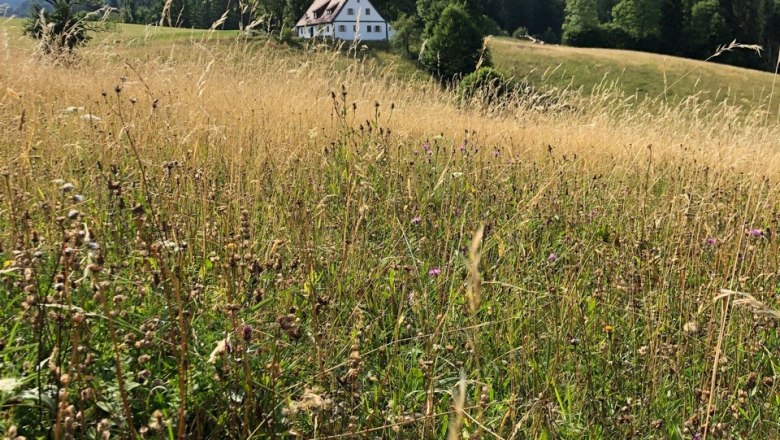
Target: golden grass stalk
<point x="774" y="82"/>
<point x="748" y="300"/>
<point x="459" y="403"/>
<point x="742" y="299"/>
<point x="718" y="52"/>
<point x="221" y="20"/>
<point x="473" y="281"/>
<point x="166" y="13"/>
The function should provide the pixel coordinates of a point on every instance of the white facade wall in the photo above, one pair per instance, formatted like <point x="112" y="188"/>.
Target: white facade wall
<point x="320" y="30"/>
<point x="358" y="19"/>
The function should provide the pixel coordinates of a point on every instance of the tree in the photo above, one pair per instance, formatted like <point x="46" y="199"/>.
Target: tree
<point x="581" y="15"/>
<point x="545" y="18"/>
<point x="673" y="19"/>
<point x="429" y="12"/>
<point x="408" y="33"/>
<point x="60" y="27"/>
<point x="748" y="19"/>
<point x="605" y="10"/>
<point x="509" y="15"/>
<point x="455" y="46"/>
<point x="473" y="8"/>
<point x="128" y="11"/>
<point x="639" y="18"/>
<point x="772" y="37"/>
<point x="140" y="11"/>
<point x="707" y="29"/>
<point x="294" y="10"/>
<point x="392" y="10"/>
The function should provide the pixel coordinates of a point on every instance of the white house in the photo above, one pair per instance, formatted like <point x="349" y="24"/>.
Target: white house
<point x="345" y="20"/>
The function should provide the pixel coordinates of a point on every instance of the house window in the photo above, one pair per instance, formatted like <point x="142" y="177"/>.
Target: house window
<point x="350" y="11"/>
<point x="342" y="28"/>
<point x="368" y="11"/>
<point x="368" y="28"/>
<point x="377" y="28"/>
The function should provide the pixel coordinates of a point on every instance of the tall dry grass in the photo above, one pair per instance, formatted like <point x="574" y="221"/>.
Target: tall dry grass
<point x="231" y="91"/>
<point x="212" y="238"/>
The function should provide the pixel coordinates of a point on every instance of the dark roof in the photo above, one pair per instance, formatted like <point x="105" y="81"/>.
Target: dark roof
<point x="321" y="11"/>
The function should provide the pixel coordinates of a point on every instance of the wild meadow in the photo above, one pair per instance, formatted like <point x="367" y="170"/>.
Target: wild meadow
<point x="223" y="239"/>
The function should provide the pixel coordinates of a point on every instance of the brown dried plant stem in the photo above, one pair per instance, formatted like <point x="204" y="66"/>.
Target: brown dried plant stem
<point x="473" y="296"/>
<point x="735" y="269"/>
<point x="132" y="434"/>
<point x="175" y="283"/>
<point x="64" y="261"/>
<point x="183" y="363"/>
<point x="474" y="290"/>
<point x="772" y="92"/>
<point x="308" y="242"/>
<point x="718" y="350"/>
<point x="242" y="349"/>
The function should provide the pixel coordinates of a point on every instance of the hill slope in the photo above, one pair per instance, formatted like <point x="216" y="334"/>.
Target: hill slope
<point x="547" y="66"/>
<point x="14" y="7"/>
<point x="237" y="239"/>
<point x="647" y="75"/>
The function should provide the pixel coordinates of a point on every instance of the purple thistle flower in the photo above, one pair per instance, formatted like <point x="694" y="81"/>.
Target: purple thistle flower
<point x="712" y="241"/>
<point x="756" y="233"/>
<point x="434" y="271"/>
<point x="416" y="220"/>
<point x="552" y="258"/>
<point x="427" y="147"/>
<point x="246" y="332"/>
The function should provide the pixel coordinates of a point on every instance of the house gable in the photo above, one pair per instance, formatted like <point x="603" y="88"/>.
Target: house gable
<point x="321" y="12"/>
<point x="345" y="20"/>
<point x="359" y="11"/>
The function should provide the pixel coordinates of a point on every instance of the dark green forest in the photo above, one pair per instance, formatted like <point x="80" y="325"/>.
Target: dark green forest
<point x="689" y="28"/>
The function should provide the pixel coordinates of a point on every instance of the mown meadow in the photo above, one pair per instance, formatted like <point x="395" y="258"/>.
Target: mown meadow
<point x="225" y="239"/>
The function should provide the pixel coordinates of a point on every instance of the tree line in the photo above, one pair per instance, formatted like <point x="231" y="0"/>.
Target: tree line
<point x="690" y="28"/>
<point x="270" y="15"/>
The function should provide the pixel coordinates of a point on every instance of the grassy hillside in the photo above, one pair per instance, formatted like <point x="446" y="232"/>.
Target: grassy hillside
<point x="210" y="239"/>
<point x="144" y="42"/>
<point x="118" y="33"/>
<point x="548" y="67"/>
<point x="644" y="74"/>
